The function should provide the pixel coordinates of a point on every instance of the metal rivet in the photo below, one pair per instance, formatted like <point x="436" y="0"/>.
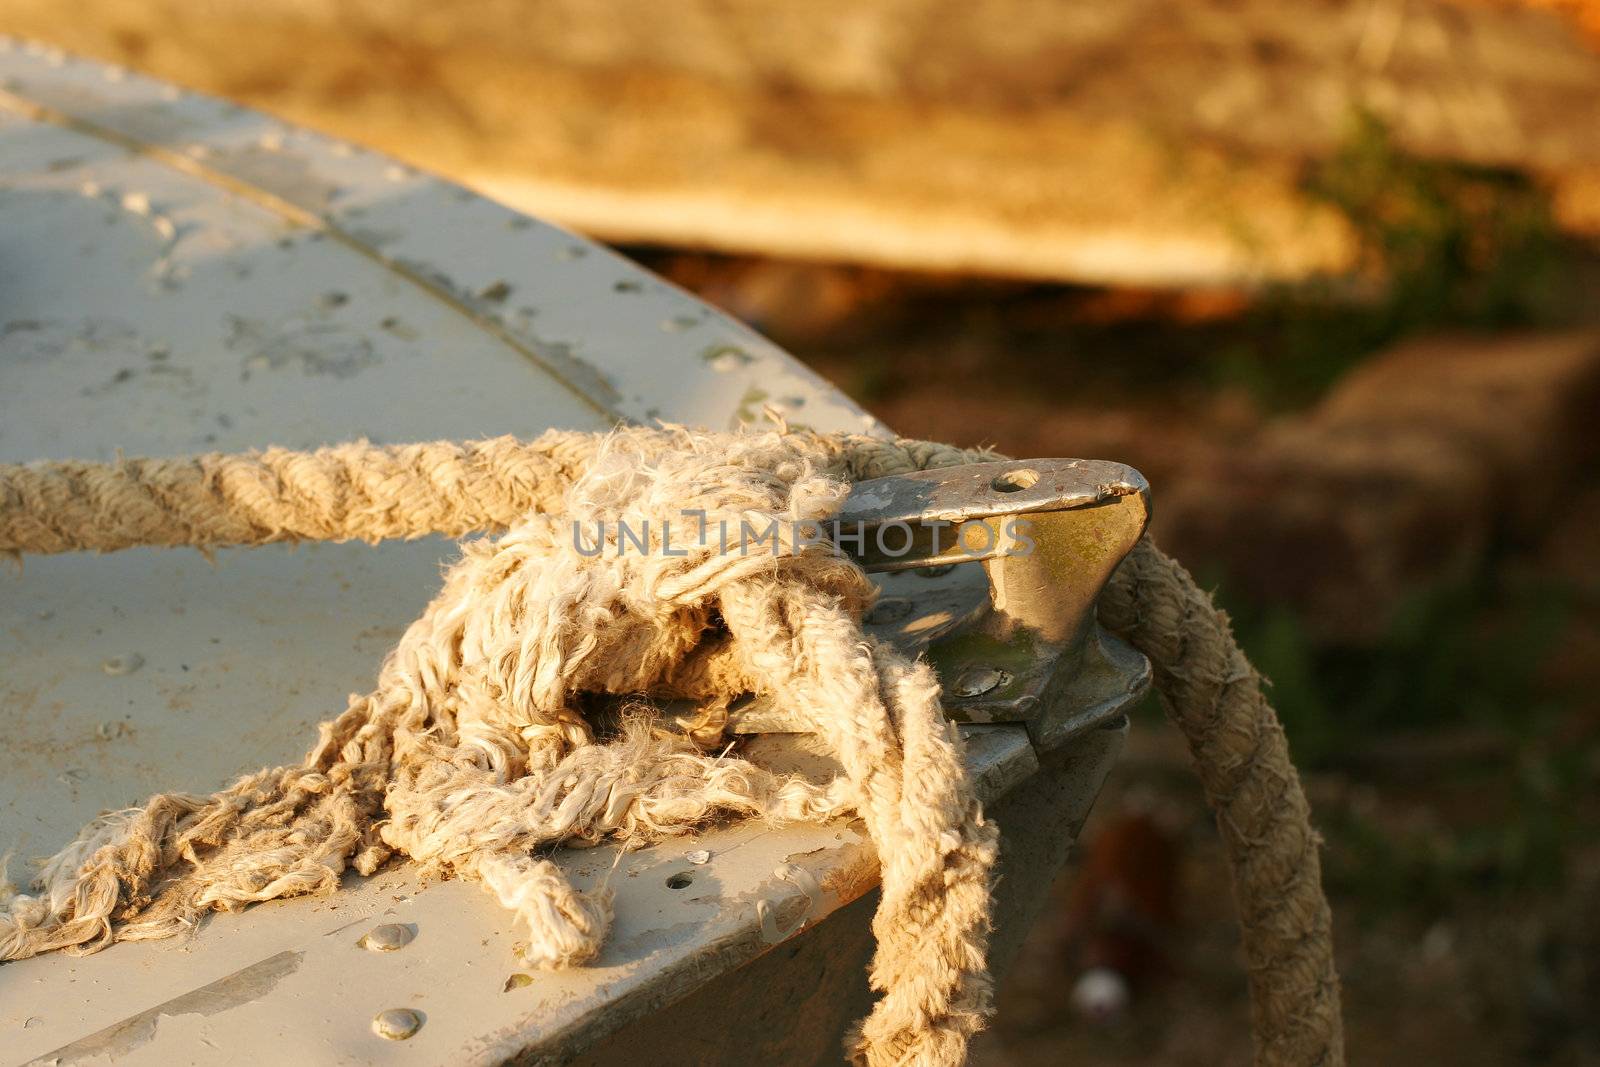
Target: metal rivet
<point x="126" y="663"/>
<point x="397" y="1024"/>
<point x="387" y="938"/>
<point x="699" y="855"/>
<point x="976" y="681"/>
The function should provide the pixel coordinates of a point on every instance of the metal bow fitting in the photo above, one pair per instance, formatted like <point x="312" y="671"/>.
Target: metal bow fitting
<point x="1017" y="640"/>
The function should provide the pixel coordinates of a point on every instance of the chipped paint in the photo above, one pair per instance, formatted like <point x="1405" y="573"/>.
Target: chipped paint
<point x="290" y="176"/>
<point x="725" y="357"/>
<point x="575" y="369"/>
<point x="119" y="1039"/>
<point x="782" y="918"/>
<point x="495" y="292"/>
<point x="327" y="188"/>
<point x="315" y="347"/>
<point x="558" y="358"/>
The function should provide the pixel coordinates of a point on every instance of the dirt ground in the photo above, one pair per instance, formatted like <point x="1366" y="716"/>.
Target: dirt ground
<point x="1478" y="979"/>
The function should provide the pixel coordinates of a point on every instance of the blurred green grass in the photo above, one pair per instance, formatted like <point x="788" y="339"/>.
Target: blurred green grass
<point x="1441" y="245"/>
<point x="1452" y="708"/>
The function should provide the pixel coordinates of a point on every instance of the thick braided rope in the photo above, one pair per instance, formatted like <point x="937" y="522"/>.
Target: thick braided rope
<point x="349" y="492"/>
<point x="473" y="752"/>
<point x="1208" y="687"/>
<point x="1216" y="698"/>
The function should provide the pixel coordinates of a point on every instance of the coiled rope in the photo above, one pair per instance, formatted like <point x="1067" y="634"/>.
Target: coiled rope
<point x="473" y="750"/>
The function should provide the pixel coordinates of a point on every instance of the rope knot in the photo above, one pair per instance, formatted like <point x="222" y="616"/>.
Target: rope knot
<point x="665" y="563"/>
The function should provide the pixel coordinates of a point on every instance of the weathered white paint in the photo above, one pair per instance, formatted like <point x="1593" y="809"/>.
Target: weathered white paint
<point x="177" y="274"/>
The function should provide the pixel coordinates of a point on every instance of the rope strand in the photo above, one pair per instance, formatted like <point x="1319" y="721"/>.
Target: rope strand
<point x="468" y="753"/>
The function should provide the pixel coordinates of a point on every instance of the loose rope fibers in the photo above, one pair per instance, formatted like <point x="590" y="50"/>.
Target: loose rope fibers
<point x="473" y="754"/>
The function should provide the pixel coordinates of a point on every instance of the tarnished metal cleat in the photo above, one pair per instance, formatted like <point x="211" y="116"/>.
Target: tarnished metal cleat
<point x="1015" y="640"/>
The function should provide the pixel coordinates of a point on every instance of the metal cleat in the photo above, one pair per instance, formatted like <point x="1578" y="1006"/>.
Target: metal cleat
<point x="1014" y="641"/>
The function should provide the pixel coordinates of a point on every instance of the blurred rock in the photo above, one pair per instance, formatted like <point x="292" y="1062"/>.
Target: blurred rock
<point x="1400" y="477"/>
